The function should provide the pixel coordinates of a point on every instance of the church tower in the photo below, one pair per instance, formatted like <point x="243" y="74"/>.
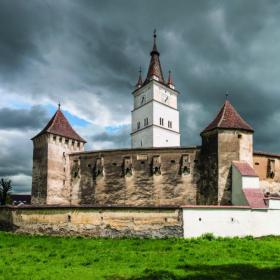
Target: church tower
<point x="51" y="147"/>
<point x="155" y="117"/>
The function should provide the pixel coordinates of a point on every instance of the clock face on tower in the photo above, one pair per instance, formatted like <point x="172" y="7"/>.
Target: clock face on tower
<point x="142" y="99"/>
<point x="165" y="98"/>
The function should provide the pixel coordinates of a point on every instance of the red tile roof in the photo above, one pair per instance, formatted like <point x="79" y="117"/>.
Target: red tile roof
<point x="228" y="118"/>
<point x="245" y="168"/>
<point x="254" y="197"/>
<point x="155" y="66"/>
<point x="59" y="125"/>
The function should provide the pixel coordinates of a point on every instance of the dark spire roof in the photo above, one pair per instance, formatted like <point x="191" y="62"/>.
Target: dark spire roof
<point x="59" y="125"/>
<point x="228" y="118"/>
<point x="170" y="80"/>
<point x="154" y="67"/>
<point x="139" y="82"/>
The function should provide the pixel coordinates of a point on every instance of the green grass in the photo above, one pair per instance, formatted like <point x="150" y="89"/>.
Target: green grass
<point x="42" y="257"/>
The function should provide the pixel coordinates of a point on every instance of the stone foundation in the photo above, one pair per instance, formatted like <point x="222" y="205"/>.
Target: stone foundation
<point x="152" y="222"/>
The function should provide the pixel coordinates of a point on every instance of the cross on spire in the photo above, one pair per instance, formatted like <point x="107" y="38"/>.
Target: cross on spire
<point x="59" y="105"/>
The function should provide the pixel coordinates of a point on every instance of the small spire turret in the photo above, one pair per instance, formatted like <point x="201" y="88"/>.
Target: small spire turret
<point x="139" y="82"/>
<point x="170" y="80"/>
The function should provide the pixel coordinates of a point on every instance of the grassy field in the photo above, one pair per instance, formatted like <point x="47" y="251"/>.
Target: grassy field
<point x="41" y="257"/>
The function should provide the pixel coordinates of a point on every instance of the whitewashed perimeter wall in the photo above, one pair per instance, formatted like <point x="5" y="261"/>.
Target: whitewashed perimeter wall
<point x="229" y="222"/>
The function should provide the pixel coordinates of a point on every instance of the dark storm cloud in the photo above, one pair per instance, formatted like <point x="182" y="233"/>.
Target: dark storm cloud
<point x="86" y="54"/>
<point x="120" y="138"/>
<point x="17" y="160"/>
<point x="35" y="118"/>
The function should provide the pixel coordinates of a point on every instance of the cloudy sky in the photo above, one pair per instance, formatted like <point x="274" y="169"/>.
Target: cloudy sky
<point x="86" y="55"/>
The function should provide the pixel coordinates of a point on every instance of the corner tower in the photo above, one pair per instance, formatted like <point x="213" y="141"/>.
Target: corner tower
<point x="51" y="147"/>
<point x="155" y="117"/>
<point x="227" y="138"/>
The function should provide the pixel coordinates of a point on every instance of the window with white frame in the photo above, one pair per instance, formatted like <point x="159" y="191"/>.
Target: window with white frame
<point x="161" y="121"/>
<point x="138" y="125"/>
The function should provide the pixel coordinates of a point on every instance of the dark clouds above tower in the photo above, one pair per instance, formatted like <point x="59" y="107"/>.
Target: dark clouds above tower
<point x="86" y="54"/>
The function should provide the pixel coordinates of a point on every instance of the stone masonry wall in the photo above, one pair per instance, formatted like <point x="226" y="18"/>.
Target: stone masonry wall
<point x="208" y="186"/>
<point x="40" y="170"/>
<point x="94" y="221"/>
<point x="232" y="145"/>
<point x="163" y="176"/>
<point x="269" y="178"/>
<point x="58" y="183"/>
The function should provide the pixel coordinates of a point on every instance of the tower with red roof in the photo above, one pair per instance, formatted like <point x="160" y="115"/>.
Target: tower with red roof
<point x="51" y="147"/>
<point x="226" y="139"/>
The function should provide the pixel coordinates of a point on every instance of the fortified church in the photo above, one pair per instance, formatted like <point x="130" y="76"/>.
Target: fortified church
<point x="156" y="171"/>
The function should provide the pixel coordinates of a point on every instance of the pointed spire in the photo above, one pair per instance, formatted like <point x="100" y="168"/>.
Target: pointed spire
<point x="140" y="82"/>
<point x="60" y="126"/>
<point x="154" y="72"/>
<point x="170" y="80"/>
<point x="154" y="50"/>
<point x="59" y="105"/>
<point x="228" y="118"/>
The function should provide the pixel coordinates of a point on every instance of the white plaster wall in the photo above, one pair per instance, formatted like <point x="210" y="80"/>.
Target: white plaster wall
<point x="146" y="135"/>
<point x="238" y="197"/>
<point x="168" y="114"/>
<point x="165" y="138"/>
<point x="250" y="182"/>
<point x="229" y="222"/>
<point x="140" y="114"/>
<point x="147" y="91"/>
<point x="216" y="221"/>
<point x="240" y="182"/>
<point x="155" y="136"/>
<point x="160" y="90"/>
<point x="274" y="203"/>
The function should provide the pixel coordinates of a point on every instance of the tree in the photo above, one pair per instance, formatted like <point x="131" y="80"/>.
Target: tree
<point x="5" y="190"/>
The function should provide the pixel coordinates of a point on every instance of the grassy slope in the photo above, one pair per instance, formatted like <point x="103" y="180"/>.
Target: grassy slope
<point x="39" y="257"/>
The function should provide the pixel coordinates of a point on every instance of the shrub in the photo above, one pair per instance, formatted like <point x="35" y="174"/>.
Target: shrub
<point x="208" y="236"/>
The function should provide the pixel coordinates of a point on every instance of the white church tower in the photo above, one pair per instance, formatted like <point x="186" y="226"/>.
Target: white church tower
<point x="155" y="117"/>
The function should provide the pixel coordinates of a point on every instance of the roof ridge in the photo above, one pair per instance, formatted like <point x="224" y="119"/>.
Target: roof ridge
<point x="223" y="110"/>
<point x="228" y="118"/>
<point x="59" y="125"/>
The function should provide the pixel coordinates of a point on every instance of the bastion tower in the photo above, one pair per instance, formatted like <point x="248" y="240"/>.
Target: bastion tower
<point x="155" y="117"/>
<point x="51" y="147"/>
<point x="226" y="139"/>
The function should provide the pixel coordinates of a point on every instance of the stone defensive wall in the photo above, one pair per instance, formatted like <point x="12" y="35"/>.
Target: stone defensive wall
<point x="147" y="222"/>
<point x="94" y="221"/>
<point x="139" y="177"/>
